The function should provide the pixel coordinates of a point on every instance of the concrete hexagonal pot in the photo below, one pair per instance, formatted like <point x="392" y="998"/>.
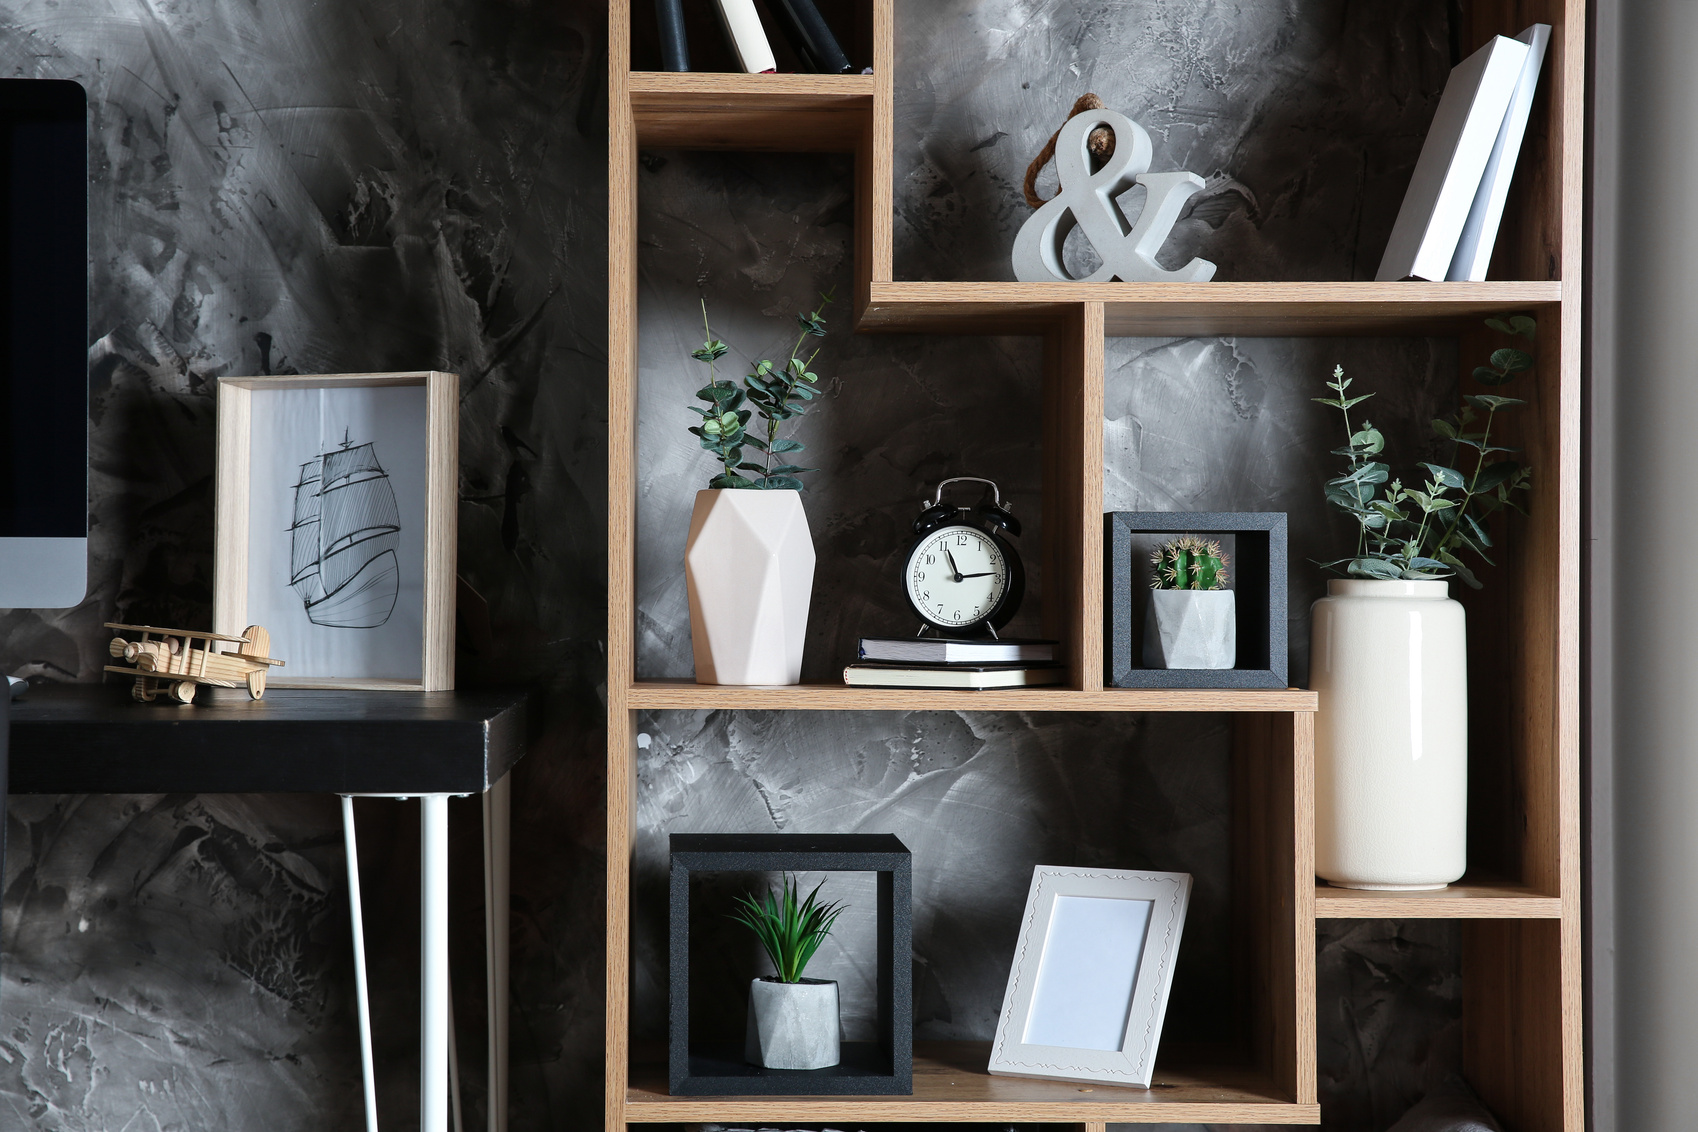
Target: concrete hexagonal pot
<point x="792" y="1025"/>
<point x="1190" y="629"/>
<point x="749" y="566"/>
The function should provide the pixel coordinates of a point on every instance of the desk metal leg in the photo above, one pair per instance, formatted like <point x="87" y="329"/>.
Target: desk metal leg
<point x="368" y="1074"/>
<point x="433" y="955"/>
<point x="497" y="890"/>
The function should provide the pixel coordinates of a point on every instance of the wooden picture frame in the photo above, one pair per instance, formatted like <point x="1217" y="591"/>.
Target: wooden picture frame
<point x="265" y="425"/>
<point x="1088" y="987"/>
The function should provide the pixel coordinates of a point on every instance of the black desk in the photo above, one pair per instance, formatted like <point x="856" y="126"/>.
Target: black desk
<point x="94" y="739"/>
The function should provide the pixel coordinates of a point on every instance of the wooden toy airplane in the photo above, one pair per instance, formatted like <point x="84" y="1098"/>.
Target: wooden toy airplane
<point x="170" y="660"/>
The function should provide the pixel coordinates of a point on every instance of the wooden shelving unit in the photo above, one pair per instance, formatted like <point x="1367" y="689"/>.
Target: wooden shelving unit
<point x="1521" y="915"/>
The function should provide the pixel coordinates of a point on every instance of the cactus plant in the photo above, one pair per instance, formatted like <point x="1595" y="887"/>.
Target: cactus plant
<point x="1189" y="563"/>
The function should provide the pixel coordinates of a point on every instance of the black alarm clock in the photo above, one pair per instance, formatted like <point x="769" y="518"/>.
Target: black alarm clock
<point x="961" y="575"/>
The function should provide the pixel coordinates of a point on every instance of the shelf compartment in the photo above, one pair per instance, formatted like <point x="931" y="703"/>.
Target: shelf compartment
<point x="685" y="695"/>
<point x="789" y="113"/>
<point x="951" y="1084"/>
<point x="1157" y="309"/>
<point x="1466" y="900"/>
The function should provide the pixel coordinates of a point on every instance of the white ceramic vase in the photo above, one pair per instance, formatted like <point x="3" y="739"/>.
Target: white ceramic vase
<point x="1389" y="662"/>
<point x="1190" y="629"/>
<point x="792" y="1025"/>
<point x="749" y="567"/>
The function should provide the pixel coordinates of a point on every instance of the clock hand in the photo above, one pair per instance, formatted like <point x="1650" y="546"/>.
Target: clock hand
<point x="952" y="566"/>
<point x="984" y="574"/>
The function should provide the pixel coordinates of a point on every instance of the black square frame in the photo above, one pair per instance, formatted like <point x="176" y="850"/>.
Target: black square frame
<point x="879" y="1068"/>
<point x="1259" y="570"/>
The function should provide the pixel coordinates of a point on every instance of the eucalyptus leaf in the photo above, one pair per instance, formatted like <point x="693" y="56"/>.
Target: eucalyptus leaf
<point x="1513" y="360"/>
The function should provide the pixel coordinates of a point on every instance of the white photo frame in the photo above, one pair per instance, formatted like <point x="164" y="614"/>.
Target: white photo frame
<point x="1088" y="987"/>
<point x="356" y="588"/>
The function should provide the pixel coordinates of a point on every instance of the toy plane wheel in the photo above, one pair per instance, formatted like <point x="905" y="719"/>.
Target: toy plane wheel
<point x="140" y="692"/>
<point x="183" y="691"/>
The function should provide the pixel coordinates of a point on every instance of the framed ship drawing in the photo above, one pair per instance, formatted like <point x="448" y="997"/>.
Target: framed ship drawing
<point x="336" y="522"/>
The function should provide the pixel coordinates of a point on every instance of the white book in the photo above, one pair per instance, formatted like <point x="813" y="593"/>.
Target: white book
<point x="1452" y="162"/>
<point x="1480" y="231"/>
<point x="743" y="28"/>
<point x="976" y="677"/>
<point x="943" y="650"/>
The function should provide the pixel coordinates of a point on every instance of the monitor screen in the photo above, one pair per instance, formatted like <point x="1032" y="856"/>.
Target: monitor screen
<point x="43" y="341"/>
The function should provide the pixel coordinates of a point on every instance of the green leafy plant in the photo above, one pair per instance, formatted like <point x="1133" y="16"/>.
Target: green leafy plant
<point x="777" y="393"/>
<point x="790" y="929"/>
<point x="1188" y="563"/>
<point x="1419" y="533"/>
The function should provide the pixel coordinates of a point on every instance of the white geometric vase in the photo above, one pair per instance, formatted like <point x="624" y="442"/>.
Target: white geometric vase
<point x="1389" y="661"/>
<point x="749" y="565"/>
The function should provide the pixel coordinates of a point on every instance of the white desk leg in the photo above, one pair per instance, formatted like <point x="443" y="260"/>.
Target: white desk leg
<point x="433" y="956"/>
<point x="368" y="1075"/>
<point x="497" y="892"/>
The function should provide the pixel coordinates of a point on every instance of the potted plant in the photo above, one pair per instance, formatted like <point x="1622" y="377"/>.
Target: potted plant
<point x="1388" y="648"/>
<point x="1191" y="621"/>
<point x="749" y="559"/>
<point x="793" y="1021"/>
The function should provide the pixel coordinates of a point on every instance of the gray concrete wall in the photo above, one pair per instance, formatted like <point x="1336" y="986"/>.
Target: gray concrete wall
<point x="374" y="185"/>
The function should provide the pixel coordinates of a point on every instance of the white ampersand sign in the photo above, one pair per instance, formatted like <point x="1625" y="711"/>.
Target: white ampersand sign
<point x="1092" y="202"/>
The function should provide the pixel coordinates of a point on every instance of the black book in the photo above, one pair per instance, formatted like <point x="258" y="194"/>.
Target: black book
<point x="674" y="47"/>
<point x="809" y="35"/>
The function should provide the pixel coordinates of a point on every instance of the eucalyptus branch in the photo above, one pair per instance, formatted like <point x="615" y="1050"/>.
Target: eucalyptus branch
<point x="777" y="393"/>
<point x="1390" y="542"/>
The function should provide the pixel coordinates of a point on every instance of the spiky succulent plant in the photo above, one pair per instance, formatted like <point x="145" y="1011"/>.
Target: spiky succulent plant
<point x="790" y="928"/>
<point x="1189" y="563"/>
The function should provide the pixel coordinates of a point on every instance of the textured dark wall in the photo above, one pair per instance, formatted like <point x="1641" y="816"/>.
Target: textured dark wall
<point x="383" y="185"/>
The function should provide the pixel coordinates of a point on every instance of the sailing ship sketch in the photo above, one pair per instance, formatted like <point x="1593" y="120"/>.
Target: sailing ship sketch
<point x="343" y="542"/>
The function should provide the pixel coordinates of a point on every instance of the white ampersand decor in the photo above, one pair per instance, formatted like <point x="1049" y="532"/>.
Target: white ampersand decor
<point x="1091" y="201"/>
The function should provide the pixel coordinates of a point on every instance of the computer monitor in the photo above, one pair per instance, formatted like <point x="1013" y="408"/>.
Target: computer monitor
<point x="43" y="343"/>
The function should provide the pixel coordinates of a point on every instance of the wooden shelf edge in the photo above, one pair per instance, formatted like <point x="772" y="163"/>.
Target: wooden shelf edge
<point x="951" y="1084"/>
<point x="674" y="695"/>
<point x="767" y="1110"/>
<point x="1465" y="900"/>
<point x="712" y="83"/>
<point x="1132" y="309"/>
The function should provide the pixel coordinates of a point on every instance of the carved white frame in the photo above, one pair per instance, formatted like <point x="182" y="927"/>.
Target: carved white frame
<point x="1134" y="1063"/>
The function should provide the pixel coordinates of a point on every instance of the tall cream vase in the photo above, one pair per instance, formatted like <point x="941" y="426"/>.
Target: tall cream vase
<point x="749" y="567"/>
<point x="1388" y="660"/>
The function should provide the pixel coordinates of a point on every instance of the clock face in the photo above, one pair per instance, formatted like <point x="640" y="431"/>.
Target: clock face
<point x="957" y="576"/>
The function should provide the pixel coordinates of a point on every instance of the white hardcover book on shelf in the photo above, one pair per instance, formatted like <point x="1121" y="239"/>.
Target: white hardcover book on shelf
<point x="743" y="28"/>
<point x="1480" y="230"/>
<point x="1453" y="162"/>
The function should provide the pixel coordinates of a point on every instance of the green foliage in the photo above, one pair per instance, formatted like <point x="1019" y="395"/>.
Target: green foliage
<point x="776" y="393"/>
<point x="1188" y="563"/>
<point x="1418" y="533"/>
<point x="790" y="929"/>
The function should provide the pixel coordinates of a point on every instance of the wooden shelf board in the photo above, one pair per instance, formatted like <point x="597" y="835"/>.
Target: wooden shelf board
<point x="686" y="694"/>
<point x="1468" y="899"/>
<point x="790" y="113"/>
<point x="1159" y="309"/>
<point x="950" y="1084"/>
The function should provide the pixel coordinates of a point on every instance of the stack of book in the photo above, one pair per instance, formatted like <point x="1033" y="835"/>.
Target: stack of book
<point x="799" y="20"/>
<point x="1449" y="219"/>
<point x="938" y="662"/>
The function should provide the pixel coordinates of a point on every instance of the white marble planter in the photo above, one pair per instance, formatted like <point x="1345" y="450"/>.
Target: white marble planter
<point x="1190" y="629"/>
<point x="749" y="566"/>
<point x="1389" y="662"/>
<point x="792" y="1025"/>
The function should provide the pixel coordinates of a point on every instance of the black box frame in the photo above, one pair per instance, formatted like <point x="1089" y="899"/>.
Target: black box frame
<point x="1259" y="580"/>
<point x="881" y="1068"/>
